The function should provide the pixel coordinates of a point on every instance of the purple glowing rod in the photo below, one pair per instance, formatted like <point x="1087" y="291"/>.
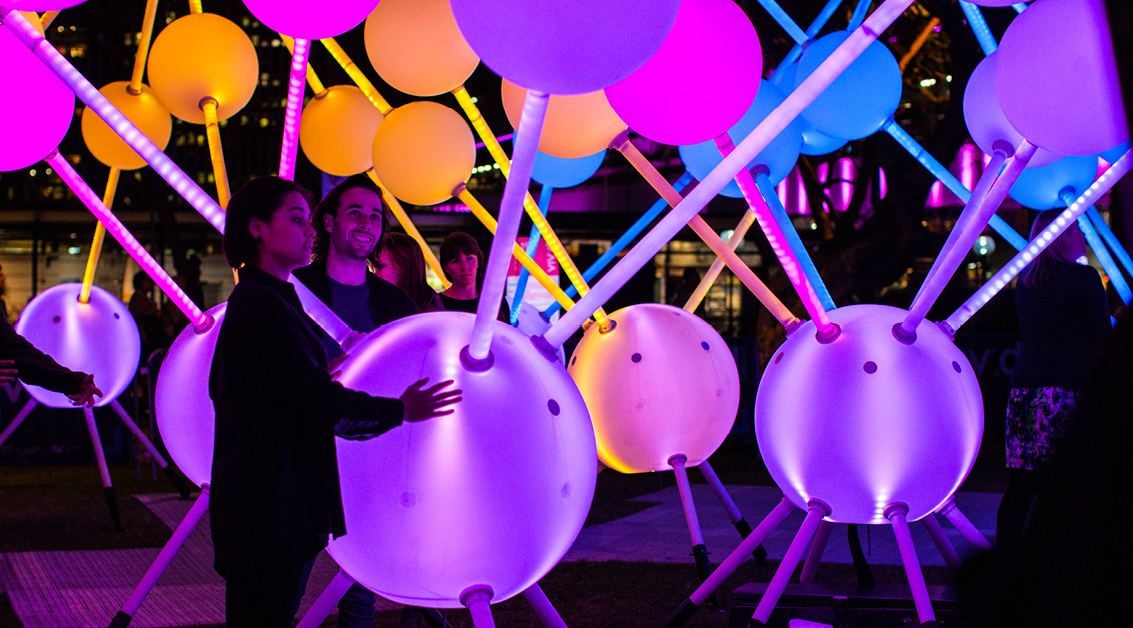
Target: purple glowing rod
<point x="291" y="119"/>
<point x="182" y="183"/>
<point x="1039" y="244"/>
<point x="725" y="171"/>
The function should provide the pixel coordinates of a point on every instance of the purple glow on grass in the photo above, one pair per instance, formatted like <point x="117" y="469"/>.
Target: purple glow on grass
<point x="1024" y="257"/>
<point x="291" y="119"/>
<point x="127" y="240"/>
<point x="182" y="183"/>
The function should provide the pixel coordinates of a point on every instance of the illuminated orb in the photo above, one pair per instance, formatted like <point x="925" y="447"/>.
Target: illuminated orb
<point x="337" y="131"/>
<point x="35" y="105"/>
<point x="422" y="151"/>
<point x="985" y="119"/>
<point x="575" y="126"/>
<point x="565" y="173"/>
<point x="493" y="494"/>
<point x="661" y="383"/>
<point x="203" y="55"/>
<point x="1112" y="155"/>
<point x="98" y="337"/>
<point x="186" y="417"/>
<point x="416" y="46"/>
<point x="565" y="47"/>
<point x="863" y="96"/>
<point x="700" y="82"/>
<point x="142" y="109"/>
<point x="1041" y="188"/>
<point x="866" y="421"/>
<point x="38" y="5"/>
<point x="311" y="20"/>
<point x="814" y="141"/>
<point x="1057" y="78"/>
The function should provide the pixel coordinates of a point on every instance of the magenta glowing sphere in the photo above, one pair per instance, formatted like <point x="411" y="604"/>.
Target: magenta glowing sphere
<point x="493" y="494"/>
<point x="98" y="337"/>
<point x="700" y="82"/>
<point x="186" y="416"/>
<point x="560" y="47"/>
<point x="1057" y="78"/>
<point x="866" y="421"/>
<point x="36" y="107"/>
<point x="861" y="99"/>
<point x="304" y="19"/>
<point x="661" y="383"/>
<point x="37" y="5"/>
<point x="985" y="119"/>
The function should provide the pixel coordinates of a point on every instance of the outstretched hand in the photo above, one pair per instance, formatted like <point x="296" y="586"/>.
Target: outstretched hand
<point x="426" y="403"/>
<point x="8" y="372"/>
<point x="86" y="394"/>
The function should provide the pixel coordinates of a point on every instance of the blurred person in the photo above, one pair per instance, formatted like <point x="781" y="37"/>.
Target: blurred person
<point x="400" y="261"/>
<point x="151" y="327"/>
<point x="463" y="263"/>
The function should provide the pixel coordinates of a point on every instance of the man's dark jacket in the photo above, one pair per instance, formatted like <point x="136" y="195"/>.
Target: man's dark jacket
<point x="387" y="301"/>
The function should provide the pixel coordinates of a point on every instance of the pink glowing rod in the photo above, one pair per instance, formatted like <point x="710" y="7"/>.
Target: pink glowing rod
<point x="182" y="183"/>
<point x="200" y="320"/>
<point x="291" y="119"/>
<point x="1068" y="217"/>
<point x="726" y="170"/>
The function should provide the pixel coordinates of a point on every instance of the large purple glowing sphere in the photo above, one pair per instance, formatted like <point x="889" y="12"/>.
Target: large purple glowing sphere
<point x="97" y="337"/>
<point x="36" y="107"/>
<point x="866" y="421"/>
<point x="560" y="47"/>
<point x="986" y="122"/>
<point x="185" y="414"/>
<point x="1057" y="78"/>
<point x="661" y="383"/>
<point x="493" y="494"/>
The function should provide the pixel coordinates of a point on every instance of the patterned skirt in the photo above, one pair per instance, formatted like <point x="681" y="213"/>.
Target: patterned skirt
<point x="1037" y="420"/>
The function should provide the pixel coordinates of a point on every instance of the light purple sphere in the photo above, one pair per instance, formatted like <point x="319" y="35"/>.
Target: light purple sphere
<point x="985" y="119"/>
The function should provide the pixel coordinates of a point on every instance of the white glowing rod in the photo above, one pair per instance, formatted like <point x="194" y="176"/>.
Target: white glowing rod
<point x="323" y="316"/>
<point x="1048" y="235"/>
<point x="182" y="183"/>
<point x="980" y="208"/>
<point x="726" y="170"/>
<point x="290" y="147"/>
<point x="200" y="320"/>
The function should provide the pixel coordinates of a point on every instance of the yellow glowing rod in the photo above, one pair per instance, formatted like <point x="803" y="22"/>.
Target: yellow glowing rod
<point x="47" y="18"/>
<point x="407" y="224"/>
<point x="356" y="75"/>
<point x="212" y="130"/>
<point x="195" y="6"/>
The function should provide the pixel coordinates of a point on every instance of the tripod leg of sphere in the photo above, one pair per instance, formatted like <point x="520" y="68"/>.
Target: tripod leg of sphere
<point x="138" y="596"/>
<point x="478" y="599"/>
<point x="543" y="607"/>
<point x="738" y="521"/>
<point x="817" y="510"/>
<point x="100" y="458"/>
<point x="940" y="539"/>
<point x="148" y="444"/>
<point x="896" y="515"/>
<point x="326" y="601"/>
<point x="970" y="532"/>
<point x="729" y="566"/>
<point x="434" y="619"/>
<point x="814" y="556"/>
<point x="699" y="552"/>
<point x="18" y="419"/>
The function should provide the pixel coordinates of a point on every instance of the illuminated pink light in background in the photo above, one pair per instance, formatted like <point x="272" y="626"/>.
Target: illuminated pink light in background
<point x="792" y="191"/>
<point x="127" y="240"/>
<point x="182" y="183"/>
<point x="291" y="118"/>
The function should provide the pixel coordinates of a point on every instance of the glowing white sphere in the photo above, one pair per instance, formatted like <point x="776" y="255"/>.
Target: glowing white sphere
<point x="661" y="383"/>
<point x="493" y="494"/>
<point x="186" y="417"/>
<point x="98" y="337"/>
<point x="866" y="421"/>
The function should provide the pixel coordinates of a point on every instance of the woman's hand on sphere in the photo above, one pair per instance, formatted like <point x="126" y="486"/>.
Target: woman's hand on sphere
<point x="426" y="403"/>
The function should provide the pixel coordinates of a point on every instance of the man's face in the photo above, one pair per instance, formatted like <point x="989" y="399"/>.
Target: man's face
<point x="355" y="230"/>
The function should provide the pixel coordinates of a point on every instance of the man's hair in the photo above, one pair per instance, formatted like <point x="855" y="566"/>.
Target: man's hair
<point x="405" y="253"/>
<point x="259" y="198"/>
<point x="460" y="243"/>
<point x="333" y="202"/>
<point x="1060" y="251"/>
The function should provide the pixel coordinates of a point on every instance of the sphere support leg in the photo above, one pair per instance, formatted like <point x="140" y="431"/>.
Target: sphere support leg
<point x="699" y="552"/>
<point x="543" y="607"/>
<point x="18" y="419"/>
<point x="814" y="557"/>
<point x="103" y="470"/>
<point x="326" y="601"/>
<point x="940" y="539"/>
<point x="896" y="515"/>
<point x="738" y="521"/>
<point x="786" y="569"/>
<point x="970" y="532"/>
<point x="178" y="483"/>
<point x="477" y="599"/>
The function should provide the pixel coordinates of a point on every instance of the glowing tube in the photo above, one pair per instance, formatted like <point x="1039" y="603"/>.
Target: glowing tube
<point x="709" y="277"/>
<point x="756" y="141"/>
<point x="784" y="20"/>
<point x="815" y="27"/>
<point x="99" y="234"/>
<point x="950" y="259"/>
<point x="979" y="27"/>
<point x="768" y="193"/>
<point x="1110" y="239"/>
<point x="511" y="211"/>
<point x="195" y="6"/>
<point x="1024" y="257"/>
<point x="858" y="15"/>
<point x="290" y="147"/>
<point x="323" y="316"/>
<point x="216" y="150"/>
<point x="89" y="198"/>
<point x="47" y="18"/>
<point x="312" y="78"/>
<point x="918" y="43"/>
<point x="407" y="224"/>
<point x="532" y="247"/>
<point x="356" y="75"/>
<point x="1108" y="265"/>
<point x="921" y="601"/>
<point x="182" y="183"/>
<point x="1019" y="7"/>
<point x="143" y="47"/>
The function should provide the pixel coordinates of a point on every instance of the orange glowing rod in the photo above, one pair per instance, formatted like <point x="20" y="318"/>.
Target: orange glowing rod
<point x="407" y="224"/>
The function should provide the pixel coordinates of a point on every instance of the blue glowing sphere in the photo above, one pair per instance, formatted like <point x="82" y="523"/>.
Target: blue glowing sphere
<point x="1041" y="188"/>
<point x="814" y="141"/>
<point x="559" y="172"/>
<point x="861" y="99"/>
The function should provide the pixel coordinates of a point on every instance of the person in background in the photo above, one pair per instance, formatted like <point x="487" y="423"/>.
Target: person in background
<point x="463" y="263"/>
<point x="3" y="289"/>
<point x="400" y="261"/>
<point x="147" y="315"/>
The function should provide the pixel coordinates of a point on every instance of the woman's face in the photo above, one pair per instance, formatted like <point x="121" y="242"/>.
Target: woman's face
<point x="285" y="241"/>
<point x="462" y="269"/>
<point x="386" y="269"/>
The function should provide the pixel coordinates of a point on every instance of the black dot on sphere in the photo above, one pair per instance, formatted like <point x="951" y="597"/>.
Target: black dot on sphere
<point x="870" y="368"/>
<point x="955" y="366"/>
<point x="116" y="315"/>
<point x="635" y="357"/>
<point x="778" y="357"/>
<point x="573" y="360"/>
<point x="705" y="345"/>
<point x="553" y="406"/>
<point x="55" y="320"/>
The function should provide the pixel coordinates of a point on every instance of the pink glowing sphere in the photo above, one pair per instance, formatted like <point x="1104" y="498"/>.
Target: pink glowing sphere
<point x="661" y="383"/>
<point x="186" y="417"/>
<point x="98" y="337"/>
<point x="1057" y="78"/>
<point x="493" y="494"/>
<point x="863" y="96"/>
<point x="37" y="5"/>
<point x="559" y="47"/>
<point x="311" y="20"/>
<point x="700" y="82"/>
<point x="36" y="107"/>
<point x="985" y="119"/>
<point x="866" y="421"/>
